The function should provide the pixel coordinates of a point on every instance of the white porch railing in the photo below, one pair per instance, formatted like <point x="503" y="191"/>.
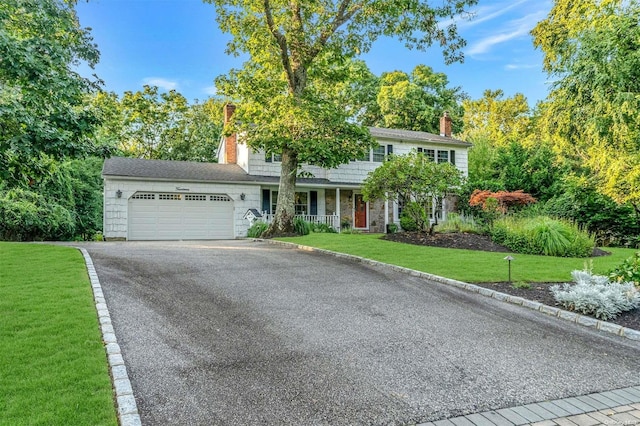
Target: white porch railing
<point x="332" y="220"/>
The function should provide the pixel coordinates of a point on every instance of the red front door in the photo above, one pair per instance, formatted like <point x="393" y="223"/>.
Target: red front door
<point x="360" y="216"/>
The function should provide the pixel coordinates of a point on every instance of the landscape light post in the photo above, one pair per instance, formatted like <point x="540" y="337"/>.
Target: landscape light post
<point x="509" y="259"/>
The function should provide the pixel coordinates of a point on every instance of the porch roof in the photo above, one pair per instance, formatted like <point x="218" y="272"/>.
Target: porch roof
<point x="192" y="171"/>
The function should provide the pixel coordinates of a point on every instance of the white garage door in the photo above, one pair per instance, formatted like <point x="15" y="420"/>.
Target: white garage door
<point x="173" y="216"/>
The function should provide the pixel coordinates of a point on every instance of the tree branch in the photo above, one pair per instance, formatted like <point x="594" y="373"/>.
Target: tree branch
<point x="345" y="12"/>
<point x="282" y="43"/>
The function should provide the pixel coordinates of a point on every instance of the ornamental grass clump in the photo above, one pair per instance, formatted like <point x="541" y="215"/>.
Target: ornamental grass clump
<point x="544" y="236"/>
<point x="595" y="295"/>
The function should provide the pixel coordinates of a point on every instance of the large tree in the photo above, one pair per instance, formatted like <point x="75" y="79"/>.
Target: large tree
<point x="294" y="48"/>
<point x="496" y="119"/>
<point x="155" y="125"/>
<point x="416" y="101"/>
<point x="42" y="96"/>
<point x="592" y="50"/>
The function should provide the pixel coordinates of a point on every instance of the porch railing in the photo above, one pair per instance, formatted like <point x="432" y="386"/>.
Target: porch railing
<point x="332" y="220"/>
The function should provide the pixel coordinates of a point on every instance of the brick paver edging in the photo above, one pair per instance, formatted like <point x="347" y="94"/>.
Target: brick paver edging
<point x="536" y="306"/>
<point x="127" y="408"/>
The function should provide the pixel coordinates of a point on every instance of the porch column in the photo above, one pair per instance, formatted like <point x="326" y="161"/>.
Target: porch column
<point x="338" y="208"/>
<point x="386" y="213"/>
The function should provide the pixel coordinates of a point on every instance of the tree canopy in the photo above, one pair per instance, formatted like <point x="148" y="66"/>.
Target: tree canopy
<point x="416" y="101"/>
<point x="295" y="49"/>
<point x="42" y="97"/>
<point x="592" y="49"/>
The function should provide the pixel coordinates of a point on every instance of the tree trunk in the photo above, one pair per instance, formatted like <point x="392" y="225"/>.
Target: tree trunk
<point x="282" y="223"/>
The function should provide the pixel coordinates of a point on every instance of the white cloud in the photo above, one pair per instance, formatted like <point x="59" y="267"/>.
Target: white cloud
<point x="487" y="13"/>
<point x="210" y="90"/>
<point x="162" y="83"/>
<point x="512" y="67"/>
<point x="511" y="30"/>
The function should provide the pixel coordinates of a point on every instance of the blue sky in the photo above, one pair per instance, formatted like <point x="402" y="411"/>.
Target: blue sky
<point x="176" y="44"/>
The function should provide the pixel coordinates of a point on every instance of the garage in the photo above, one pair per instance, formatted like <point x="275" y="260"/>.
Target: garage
<point x="180" y="216"/>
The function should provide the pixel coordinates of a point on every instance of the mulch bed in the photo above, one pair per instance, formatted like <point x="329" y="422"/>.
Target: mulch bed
<point x="538" y="292"/>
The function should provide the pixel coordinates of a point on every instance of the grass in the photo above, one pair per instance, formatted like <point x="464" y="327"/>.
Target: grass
<point x="464" y="265"/>
<point x="53" y="366"/>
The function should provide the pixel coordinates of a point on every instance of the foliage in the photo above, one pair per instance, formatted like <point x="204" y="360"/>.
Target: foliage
<point x="154" y="125"/>
<point x="542" y="236"/>
<point x="85" y="200"/>
<point x="42" y="97"/>
<point x="301" y="226"/>
<point x="414" y="179"/>
<point x="497" y="120"/>
<point x="592" y="51"/>
<point x="392" y="228"/>
<point x="322" y="228"/>
<point x="628" y="271"/>
<point x="28" y="216"/>
<point x="536" y="169"/>
<point x="505" y="200"/>
<point x="416" y="101"/>
<point x="294" y="52"/>
<point x="408" y="222"/>
<point x="611" y="223"/>
<point x="257" y="229"/>
<point x="595" y="295"/>
<point x="50" y="337"/>
<point x="458" y="223"/>
<point x="521" y="285"/>
<point x="479" y="266"/>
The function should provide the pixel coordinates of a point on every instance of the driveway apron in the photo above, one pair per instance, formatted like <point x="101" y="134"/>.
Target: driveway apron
<point x="245" y="333"/>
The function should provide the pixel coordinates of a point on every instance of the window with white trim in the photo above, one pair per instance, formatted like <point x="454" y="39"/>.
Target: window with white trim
<point x="300" y="202"/>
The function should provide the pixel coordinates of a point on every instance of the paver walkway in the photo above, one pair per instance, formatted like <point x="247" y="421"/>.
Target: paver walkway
<point x="617" y="407"/>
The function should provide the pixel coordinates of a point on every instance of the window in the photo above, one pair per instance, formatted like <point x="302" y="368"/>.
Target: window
<point x="173" y="197"/>
<point x="379" y="154"/>
<point x="273" y="158"/>
<point x="443" y="156"/>
<point x="429" y="153"/>
<point x="300" y="202"/>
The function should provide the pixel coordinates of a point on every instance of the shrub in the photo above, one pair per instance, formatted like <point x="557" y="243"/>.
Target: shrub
<point x="595" y="295"/>
<point x="628" y="271"/>
<point x="257" y="229"/>
<point x="457" y="223"/>
<point x="27" y="216"/>
<point x="392" y="228"/>
<point x="408" y="224"/>
<point x="301" y="226"/>
<point x="542" y="235"/>
<point x="322" y="228"/>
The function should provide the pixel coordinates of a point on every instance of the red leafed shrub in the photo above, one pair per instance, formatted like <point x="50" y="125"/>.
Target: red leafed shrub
<point x="504" y="199"/>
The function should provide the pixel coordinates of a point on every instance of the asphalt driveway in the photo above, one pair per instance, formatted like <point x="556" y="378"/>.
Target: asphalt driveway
<point x="243" y="332"/>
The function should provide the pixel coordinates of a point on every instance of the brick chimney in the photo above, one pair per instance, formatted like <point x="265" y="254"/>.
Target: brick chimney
<point x="231" y="141"/>
<point x="445" y="125"/>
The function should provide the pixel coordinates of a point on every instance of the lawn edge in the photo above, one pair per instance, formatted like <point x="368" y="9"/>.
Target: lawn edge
<point x="583" y="320"/>
<point x="127" y="409"/>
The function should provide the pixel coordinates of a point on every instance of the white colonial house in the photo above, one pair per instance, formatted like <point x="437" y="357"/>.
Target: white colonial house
<point x="180" y="200"/>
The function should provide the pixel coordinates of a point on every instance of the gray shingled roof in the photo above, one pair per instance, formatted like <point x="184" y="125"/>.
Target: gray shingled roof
<point x="411" y="135"/>
<point x="191" y="171"/>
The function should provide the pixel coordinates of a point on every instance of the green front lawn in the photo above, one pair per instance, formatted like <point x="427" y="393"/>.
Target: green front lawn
<point x="464" y="265"/>
<point x="53" y="365"/>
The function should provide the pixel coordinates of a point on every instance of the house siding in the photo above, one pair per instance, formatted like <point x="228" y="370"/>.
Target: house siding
<point x="354" y="171"/>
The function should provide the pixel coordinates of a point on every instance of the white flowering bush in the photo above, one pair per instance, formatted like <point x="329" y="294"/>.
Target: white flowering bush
<point x="596" y="295"/>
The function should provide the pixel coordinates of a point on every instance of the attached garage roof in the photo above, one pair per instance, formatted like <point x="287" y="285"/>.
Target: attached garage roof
<point x="192" y="171"/>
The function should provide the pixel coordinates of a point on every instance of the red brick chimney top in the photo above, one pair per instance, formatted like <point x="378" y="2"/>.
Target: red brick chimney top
<point x="445" y="125"/>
